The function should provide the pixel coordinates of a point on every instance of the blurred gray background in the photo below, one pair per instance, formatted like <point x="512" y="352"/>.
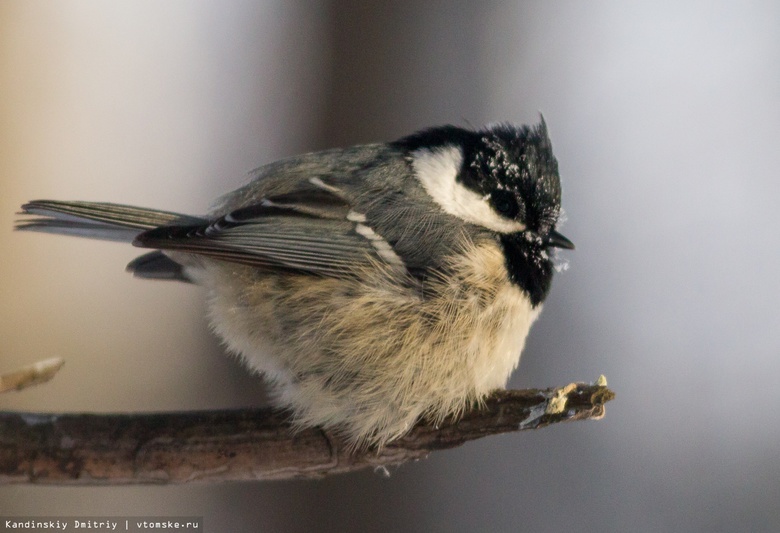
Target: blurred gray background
<point x="665" y="117"/>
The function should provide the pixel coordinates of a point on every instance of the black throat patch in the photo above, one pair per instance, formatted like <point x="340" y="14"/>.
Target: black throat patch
<point x="529" y="266"/>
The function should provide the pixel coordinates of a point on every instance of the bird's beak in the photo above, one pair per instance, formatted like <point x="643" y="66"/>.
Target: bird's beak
<point x="556" y="240"/>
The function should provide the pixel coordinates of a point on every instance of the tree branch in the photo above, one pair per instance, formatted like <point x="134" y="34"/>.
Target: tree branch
<point x="114" y="449"/>
<point x="30" y="375"/>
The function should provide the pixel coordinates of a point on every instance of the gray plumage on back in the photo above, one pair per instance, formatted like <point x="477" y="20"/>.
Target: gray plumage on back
<point x="376" y="181"/>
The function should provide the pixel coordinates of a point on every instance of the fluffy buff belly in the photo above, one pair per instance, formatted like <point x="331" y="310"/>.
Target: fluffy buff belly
<point x="365" y="358"/>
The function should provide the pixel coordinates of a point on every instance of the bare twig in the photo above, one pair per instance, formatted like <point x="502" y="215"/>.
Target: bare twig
<point x="30" y="375"/>
<point x="107" y="449"/>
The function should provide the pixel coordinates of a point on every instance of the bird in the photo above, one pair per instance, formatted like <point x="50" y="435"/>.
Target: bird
<point x="373" y="286"/>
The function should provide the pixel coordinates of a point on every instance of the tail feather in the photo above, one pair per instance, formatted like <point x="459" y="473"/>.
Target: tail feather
<point x="105" y="232"/>
<point x="157" y="265"/>
<point x="96" y="220"/>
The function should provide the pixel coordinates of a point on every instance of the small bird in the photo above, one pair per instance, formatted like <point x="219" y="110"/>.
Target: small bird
<point x="372" y="286"/>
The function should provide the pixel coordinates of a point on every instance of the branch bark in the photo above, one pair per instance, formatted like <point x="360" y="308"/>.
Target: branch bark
<point x="30" y="375"/>
<point x="249" y="444"/>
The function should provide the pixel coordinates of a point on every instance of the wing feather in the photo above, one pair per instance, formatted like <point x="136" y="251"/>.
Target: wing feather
<point x="308" y="231"/>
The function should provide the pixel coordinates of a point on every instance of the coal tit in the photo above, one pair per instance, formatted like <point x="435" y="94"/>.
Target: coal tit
<point x="373" y="286"/>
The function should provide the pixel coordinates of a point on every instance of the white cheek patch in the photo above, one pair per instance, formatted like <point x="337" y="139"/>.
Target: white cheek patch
<point x="438" y="170"/>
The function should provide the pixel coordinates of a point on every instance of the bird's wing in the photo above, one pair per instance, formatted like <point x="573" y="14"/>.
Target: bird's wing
<point x="313" y="230"/>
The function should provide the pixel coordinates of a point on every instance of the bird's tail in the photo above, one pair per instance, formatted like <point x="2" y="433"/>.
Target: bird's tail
<point x="95" y="220"/>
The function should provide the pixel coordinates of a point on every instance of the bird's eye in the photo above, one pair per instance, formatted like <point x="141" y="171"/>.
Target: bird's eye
<point x="505" y="203"/>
